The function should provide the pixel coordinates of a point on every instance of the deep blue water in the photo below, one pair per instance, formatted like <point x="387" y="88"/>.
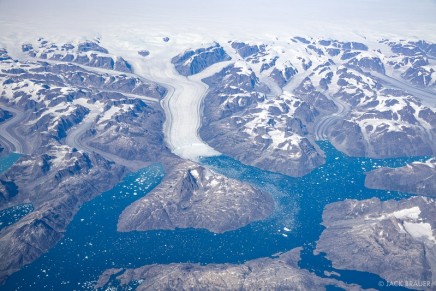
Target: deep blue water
<point x="11" y="215"/>
<point x="91" y="243"/>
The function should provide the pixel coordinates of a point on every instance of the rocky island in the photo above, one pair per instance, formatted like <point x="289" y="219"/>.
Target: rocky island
<point x="418" y="178"/>
<point x="193" y="196"/>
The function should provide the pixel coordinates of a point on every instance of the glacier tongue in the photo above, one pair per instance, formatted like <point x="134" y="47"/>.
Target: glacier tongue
<point x="181" y="104"/>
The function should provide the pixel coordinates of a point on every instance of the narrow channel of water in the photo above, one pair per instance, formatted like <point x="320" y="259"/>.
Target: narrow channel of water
<point x="7" y="161"/>
<point x="12" y="214"/>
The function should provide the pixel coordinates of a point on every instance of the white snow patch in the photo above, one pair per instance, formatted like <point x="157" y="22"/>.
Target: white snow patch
<point x="411" y="213"/>
<point x="420" y="230"/>
<point x="243" y="67"/>
<point x="214" y="183"/>
<point x="195" y="173"/>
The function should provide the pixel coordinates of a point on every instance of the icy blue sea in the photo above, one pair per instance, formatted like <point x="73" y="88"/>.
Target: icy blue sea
<point x="91" y="243"/>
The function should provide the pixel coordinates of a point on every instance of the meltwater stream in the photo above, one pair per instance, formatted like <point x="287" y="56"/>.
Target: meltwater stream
<point x="92" y="244"/>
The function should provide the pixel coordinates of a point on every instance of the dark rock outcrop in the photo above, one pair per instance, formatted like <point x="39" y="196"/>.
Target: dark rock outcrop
<point x="88" y="53"/>
<point x="4" y="115"/>
<point x="368" y="63"/>
<point x="144" y="53"/>
<point x="282" y="77"/>
<point x="192" y="62"/>
<point x="246" y="50"/>
<point x="315" y="98"/>
<point x="417" y="178"/>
